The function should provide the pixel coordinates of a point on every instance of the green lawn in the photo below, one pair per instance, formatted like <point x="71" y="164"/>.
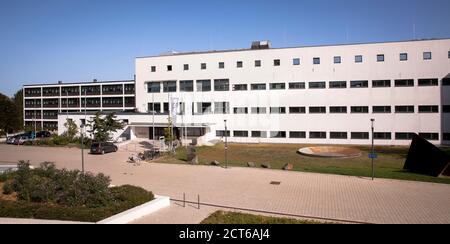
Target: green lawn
<point x="388" y="165"/>
<point x="221" y="217"/>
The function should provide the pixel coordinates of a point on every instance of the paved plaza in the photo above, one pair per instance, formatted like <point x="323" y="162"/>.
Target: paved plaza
<point x="301" y="194"/>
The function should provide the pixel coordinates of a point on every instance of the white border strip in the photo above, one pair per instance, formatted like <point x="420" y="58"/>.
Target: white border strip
<point x="130" y="215"/>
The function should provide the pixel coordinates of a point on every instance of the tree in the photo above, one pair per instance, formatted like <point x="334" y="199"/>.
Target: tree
<point x="9" y="119"/>
<point x="18" y="101"/>
<point x="102" y="127"/>
<point x="71" y="129"/>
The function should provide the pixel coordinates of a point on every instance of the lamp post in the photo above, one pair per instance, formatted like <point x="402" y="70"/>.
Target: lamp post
<point x="226" y="145"/>
<point x="373" y="150"/>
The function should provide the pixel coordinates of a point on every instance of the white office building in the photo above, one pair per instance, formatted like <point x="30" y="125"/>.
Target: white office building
<point x="317" y="94"/>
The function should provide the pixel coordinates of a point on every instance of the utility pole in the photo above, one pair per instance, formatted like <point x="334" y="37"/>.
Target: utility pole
<point x="226" y="145"/>
<point x="373" y="151"/>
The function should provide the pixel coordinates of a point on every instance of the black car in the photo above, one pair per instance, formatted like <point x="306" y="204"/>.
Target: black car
<point x="103" y="147"/>
<point x="43" y="134"/>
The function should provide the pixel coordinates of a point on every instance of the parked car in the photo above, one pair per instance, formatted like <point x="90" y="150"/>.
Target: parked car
<point x="19" y="139"/>
<point x="103" y="147"/>
<point x="43" y="134"/>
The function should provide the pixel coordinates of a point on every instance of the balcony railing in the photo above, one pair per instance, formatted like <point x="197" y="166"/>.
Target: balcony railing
<point x="33" y="105"/>
<point x="50" y="116"/>
<point x="32" y="94"/>
<point x="51" y="105"/>
<point x="51" y="94"/>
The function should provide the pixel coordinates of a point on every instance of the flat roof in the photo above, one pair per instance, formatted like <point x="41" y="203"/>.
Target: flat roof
<point x="295" y="47"/>
<point x="80" y="83"/>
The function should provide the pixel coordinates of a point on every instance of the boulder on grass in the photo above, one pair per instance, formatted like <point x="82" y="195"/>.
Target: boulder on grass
<point x="288" y="167"/>
<point x="215" y="163"/>
<point x="251" y="164"/>
<point x="266" y="166"/>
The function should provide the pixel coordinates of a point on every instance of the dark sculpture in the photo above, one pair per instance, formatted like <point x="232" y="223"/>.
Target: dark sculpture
<point x="426" y="158"/>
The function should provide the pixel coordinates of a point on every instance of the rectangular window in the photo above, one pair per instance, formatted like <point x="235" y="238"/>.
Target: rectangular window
<point x="317" y="110"/>
<point x="338" y="135"/>
<point x="296" y="61"/>
<point x="186" y="85"/>
<point x="317" y="85"/>
<point x="203" y="66"/>
<point x="240" y="133"/>
<point x="428" y="109"/>
<point x="221" y="107"/>
<point x="359" y="110"/>
<point x="430" y="136"/>
<point x="380" y="58"/>
<point x="338" y="84"/>
<point x="446" y="109"/>
<point x="166" y="108"/>
<point x="382" y="136"/>
<point x="154" y="87"/>
<point x="221" y="133"/>
<point x="240" y="87"/>
<point x="257" y="63"/>
<point x="297" y="110"/>
<point x="240" y="110"/>
<point x="428" y="82"/>
<point x="277" y="86"/>
<point x="258" y="87"/>
<point x="359" y="84"/>
<point x="221" y="65"/>
<point x="154" y="107"/>
<point x="446" y="82"/>
<point x="204" y="108"/>
<point x="381" y="83"/>
<point x="186" y="67"/>
<point x="317" y="135"/>
<point x="169" y="67"/>
<point x="338" y="110"/>
<point x="276" y="62"/>
<point x="403" y="56"/>
<point x="360" y="135"/>
<point x="259" y="134"/>
<point x="358" y="59"/>
<point x="204" y="85"/>
<point x="297" y="85"/>
<point x="404" y="109"/>
<point x="404" y="83"/>
<point x="404" y="135"/>
<point x="381" y="109"/>
<point x="239" y="64"/>
<point x="153" y="69"/>
<point x="297" y="134"/>
<point x="278" y="134"/>
<point x="316" y="60"/>
<point x="427" y="56"/>
<point x="259" y="110"/>
<point x="446" y="137"/>
<point x="337" y="59"/>
<point x="222" y="85"/>
<point x="169" y="86"/>
<point x="277" y="110"/>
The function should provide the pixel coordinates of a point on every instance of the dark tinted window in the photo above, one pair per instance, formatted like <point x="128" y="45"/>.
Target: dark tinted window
<point x="446" y="109"/>
<point x="317" y="135"/>
<point x="239" y="64"/>
<point x="240" y="87"/>
<point x="359" y="84"/>
<point x="278" y="134"/>
<point x="258" y="86"/>
<point x="186" y="85"/>
<point x="203" y="66"/>
<point x="277" y="110"/>
<point x="430" y="136"/>
<point x="360" y="109"/>
<point x="297" y="110"/>
<point x="276" y="62"/>
<point x="338" y="84"/>
<point x="170" y="86"/>
<point x="259" y="134"/>
<point x="446" y="82"/>
<point x="241" y="110"/>
<point x="297" y="134"/>
<point x="258" y="110"/>
<point x="380" y="58"/>
<point x="381" y="109"/>
<point x="222" y="85"/>
<point x="297" y="85"/>
<point x="257" y="63"/>
<point x="221" y="65"/>
<point x="317" y="85"/>
<point x="358" y="59"/>
<point x="296" y="61"/>
<point x="429" y="109"/>
<point x="403" y="56"/>
<point x="404" y="109"/>
<point x="404" y="135"/>
<point x="186" y="67"/>
<point x="427" y="56"/>
<point x="428" y="82"/>
<point x="338" y="135"/>
<point x="316" y="60"/>
<point x="404" y="83"/>
<point x="382" y="136"/>
<point x="317" y="110"/>
<point x="381" y="83"/>
<point x="240" y="133"/>
<point x="338" y="110"/>
<point x="360" y="135"/>
<point x="204" y="85"/>
<point x="221" y="133"/>
<point x="277" y="86"/>
<point x="337" y="59"/>
<point x="154" y="87"/>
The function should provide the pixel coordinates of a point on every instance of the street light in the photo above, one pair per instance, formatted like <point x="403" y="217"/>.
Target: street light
<point x="373" y="150"/>
<point x="226" y="145"/>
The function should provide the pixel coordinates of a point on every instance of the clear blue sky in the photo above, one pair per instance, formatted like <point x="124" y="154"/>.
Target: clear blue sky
<point x="79" y="40"/>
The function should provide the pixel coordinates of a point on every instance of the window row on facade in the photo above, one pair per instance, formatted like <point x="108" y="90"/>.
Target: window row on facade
<point x="329" y="135"/>
<point x="90" y="90"/>
<point x="402" y="57"/>
<point x="224" y="85"/>
<point x="224" y="108"/>
<point x="80" y="102"/>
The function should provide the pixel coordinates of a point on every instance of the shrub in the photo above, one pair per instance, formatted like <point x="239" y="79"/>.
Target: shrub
<point x="8" y="188"/>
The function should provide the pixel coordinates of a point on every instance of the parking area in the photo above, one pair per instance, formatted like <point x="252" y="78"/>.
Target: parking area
<point x="301" y="194"/>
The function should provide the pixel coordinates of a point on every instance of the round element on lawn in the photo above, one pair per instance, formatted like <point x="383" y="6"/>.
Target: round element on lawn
<point x="330" y="152"/>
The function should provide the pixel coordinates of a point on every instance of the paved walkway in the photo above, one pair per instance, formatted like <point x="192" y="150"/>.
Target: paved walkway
<point x="303" y="194"/>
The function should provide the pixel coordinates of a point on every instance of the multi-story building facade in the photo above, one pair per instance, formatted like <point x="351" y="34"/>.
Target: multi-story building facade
<point x="317" y="94"/>
<point x="43" y="103"/>
<point x="322" y="94"/>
